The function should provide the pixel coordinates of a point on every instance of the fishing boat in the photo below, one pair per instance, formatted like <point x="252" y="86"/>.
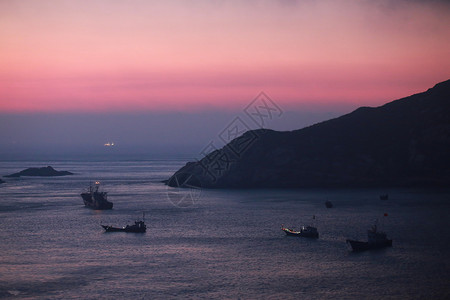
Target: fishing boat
<point x="137" y="227"/>
<point x="96" y="199"/>
<point x="305" y="231"/>
<point x="376" y="240"/>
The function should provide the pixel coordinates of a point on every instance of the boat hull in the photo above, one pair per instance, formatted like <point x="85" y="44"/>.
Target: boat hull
<point x="290" y="232"/>
<point x="96" y="201"/>
<point x="358" y="246"/>
<point x="112" y="229"/>
<point x="124" y="229"/>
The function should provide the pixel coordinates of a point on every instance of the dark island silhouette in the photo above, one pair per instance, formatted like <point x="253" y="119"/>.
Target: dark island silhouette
<point x="403" y="143"/>
<point x="44" y="171"/>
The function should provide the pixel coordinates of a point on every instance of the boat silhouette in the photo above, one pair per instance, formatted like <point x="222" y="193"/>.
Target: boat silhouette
<point x="95" y="199"/>
<point x="376" y="240"/>
<point x="307" y="231"/>
<point x="138" y="227"/>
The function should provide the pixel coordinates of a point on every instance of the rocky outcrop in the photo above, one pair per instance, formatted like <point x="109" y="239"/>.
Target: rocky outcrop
<point x="44" y="171"/>
<point x="402" y="143"/>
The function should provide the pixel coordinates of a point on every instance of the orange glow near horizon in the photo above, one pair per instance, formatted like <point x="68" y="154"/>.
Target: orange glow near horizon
<point x="174" y="56"/>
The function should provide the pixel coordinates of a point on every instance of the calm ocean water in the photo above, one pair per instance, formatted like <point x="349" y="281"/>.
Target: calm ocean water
<point x="212" y="244"/>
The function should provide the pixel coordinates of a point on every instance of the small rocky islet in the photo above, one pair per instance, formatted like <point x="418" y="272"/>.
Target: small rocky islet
<point x="44" y="171"/>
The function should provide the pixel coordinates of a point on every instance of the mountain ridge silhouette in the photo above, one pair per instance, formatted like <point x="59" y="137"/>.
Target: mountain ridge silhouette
<point x="405" y="142"/>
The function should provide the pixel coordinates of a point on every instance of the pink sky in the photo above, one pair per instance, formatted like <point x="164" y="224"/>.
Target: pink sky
<point x="77" y="56"/>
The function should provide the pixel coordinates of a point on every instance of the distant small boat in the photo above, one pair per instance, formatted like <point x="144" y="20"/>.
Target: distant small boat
<point x="376" y="240"/>
<point x="384" y="197"/>
<point x="95" y="199"/>
<point x="137" y="227"/>
<point x="328" y="204"/>
<point x="305" y="231"/>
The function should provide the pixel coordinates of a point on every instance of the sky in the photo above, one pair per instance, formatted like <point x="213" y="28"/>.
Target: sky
<point x="150" y="74"/>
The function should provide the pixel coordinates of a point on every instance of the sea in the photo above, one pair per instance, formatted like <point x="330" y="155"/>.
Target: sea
<point x="212" y="244"/>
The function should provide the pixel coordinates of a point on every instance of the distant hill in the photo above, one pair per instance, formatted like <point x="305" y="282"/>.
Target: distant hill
<point x="403" y="143"/>
<point x="44" y="171"/>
